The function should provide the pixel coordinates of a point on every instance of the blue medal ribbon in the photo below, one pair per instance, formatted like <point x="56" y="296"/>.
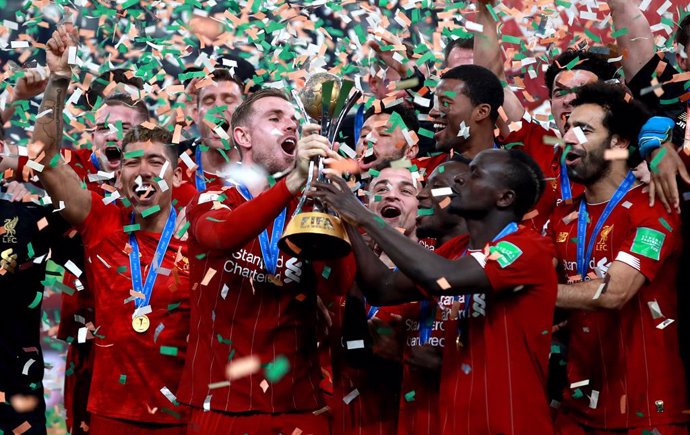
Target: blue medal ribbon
<point x="359" y="122"/>
<point x="582" y="257"/>
<point x="269" y="248"/>
<point x="199" y="178"/>
<point x="135" y="262"/>
<point x="426" y="323"/>
<point x="566" y="192"/>
<point x="95" y="162"/>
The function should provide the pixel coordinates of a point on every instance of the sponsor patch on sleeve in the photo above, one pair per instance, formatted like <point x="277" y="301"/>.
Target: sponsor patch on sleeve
<point x="648" y="242"/>
<point x="507" y="251"/>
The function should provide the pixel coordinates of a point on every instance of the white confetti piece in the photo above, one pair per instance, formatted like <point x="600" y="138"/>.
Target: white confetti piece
<point x="81" y="335"/>
<point x="664" y="324"/>
<point x="352" y="395"/>
<point x="142" y="311"/>
<point x="158" y="331"/>
<point x="349" y="152"/>
<point x="188" y="161"/>
<point x="19" y="44"/>
<point x="442" y="191"/>
<point x="35" y="166"/>
<point x="580" y="135"/>
<point x="72" y="55"/>
<point x="224" y="291"/>
<point x="594" y="399"/>
<point x="168" y="394"/>
<point x="207" y="403"/>
<point x="655" y="309"/>
<point x="73" y="268"/>
<point x="579" y="384"/>
<point x="474" y="27"/>
<point x="27" y="366"/>
<point x="355" y="344"/>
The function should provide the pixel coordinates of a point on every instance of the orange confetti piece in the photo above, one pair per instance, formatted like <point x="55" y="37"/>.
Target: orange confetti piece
<point x="208" y="277"/>
<point x="242" y="367"/>
<point x="443" y="283"/>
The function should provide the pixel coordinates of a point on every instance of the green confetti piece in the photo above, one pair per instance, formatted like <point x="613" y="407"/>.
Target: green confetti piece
<point x="441" y="169"/>
<point x="639" y="414"/>
<point x="131" y="228"/>
<point x="54" y="161"/>
<point x="577" y="394"/>
<point x="151" y="210"/>
<point x="211" y="219"/>
<point x="200" y="256"/>
<point x="171" y="412"/>
<point x="377" y="198"/>
<point x="123" y="379"/>
<point x="665" y="224"/>
<point x="380" y="221"/>
<point x="169" y="350"/>
<point x="409" y="396"/>
<point x="572" y="63"/>
<point x="426" y="133"/>
<point x="510" y="39"/>
<point x="36" y="301"/>
<point x="174" y="306"/>
<point x="183" y="230"/>
<point x="121" y="269"/>
<point x="374" y="173"/>
<point x="326" y="272"/>
<point x="276" y="369"/>
<point x="592" y="36"/>
<point x="425" y="211"/>
<point x="30" y="250"/>
<point x="555" y="349"/>
<point x="126" y="202"/>
<point x="135" y="153"/>
<point x="619" y="32"/>
<point x="654" y="164"/>
<point x="224" y="340"/>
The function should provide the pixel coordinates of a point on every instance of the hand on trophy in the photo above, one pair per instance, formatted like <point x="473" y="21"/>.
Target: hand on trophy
<point x="309" y="147"/>
<point x="338" y="197"/>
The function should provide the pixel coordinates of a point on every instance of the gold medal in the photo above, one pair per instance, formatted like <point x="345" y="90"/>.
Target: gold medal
<point x="141" y="323"/>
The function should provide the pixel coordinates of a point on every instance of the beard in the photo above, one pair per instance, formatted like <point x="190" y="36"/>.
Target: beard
<point x="592" y="167"/>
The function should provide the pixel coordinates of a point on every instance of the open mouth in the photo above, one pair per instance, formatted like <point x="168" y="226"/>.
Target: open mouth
<point x="573" y="157"/>
<point x="289" y="145"/>
<point x="390" y="212"/>
<point x="565" y="116"/>
<point x="144" y="191"/>
<point x="113" y="154"/>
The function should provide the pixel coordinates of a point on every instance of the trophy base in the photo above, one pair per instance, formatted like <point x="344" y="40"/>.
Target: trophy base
<point x="315" y="236"/>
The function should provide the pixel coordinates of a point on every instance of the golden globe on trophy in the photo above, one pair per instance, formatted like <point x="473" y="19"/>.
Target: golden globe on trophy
<point x="318" y="234"/>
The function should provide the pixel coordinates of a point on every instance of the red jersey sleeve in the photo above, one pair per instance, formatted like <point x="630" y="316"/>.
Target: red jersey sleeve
<point x="101" y="221"/>
<point x="652" y="238"/>
<point x="516" y="261"/>
<point x="234" y="223"/>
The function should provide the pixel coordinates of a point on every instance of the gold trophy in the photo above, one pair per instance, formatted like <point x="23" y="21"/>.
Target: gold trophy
<point x="318" y="234"/>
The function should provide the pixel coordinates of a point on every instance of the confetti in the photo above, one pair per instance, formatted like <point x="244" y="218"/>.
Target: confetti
<point x="242" y="367"/>
<point x="276" y="369"/>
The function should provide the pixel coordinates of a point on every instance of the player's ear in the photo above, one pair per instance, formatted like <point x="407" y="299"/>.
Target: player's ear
<point x="619" y="142"/>
<point x="506" y="198"/>
<point x="242" y="137"/>
<point x="177" y="176"/>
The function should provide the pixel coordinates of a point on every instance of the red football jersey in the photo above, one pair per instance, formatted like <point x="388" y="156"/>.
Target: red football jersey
<point x="428" y="164"/>
<point x="629" y="358"/>
<point x="134" y="373"/>
<point x="364" y="393"/>
<point x="494" y="372"/>
<point x="239" y="310"/>
<point x="531" y="138"/>
<point x="419" y="392"/>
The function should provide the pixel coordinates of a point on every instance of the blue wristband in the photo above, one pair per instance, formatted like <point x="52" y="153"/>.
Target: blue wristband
<point x="654" y="132"/>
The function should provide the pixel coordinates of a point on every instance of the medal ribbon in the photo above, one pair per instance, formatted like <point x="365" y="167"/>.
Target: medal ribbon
<point x="582" y="257"/>
<point x="199" y="177"/>
<point x="95" y="162"/>
<point x="427" y="311"/>
<point x="269" y="248"/>
<point x="135" y="261"/>
<point x="566" y="193"/>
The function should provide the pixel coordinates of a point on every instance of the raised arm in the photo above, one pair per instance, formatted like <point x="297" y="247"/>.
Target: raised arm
<point x="637" y="44"/>
<point x="428" y="270"/>
<point x="380" y="285"/>
<point x="59" y="180"/>
<point x="487" y="53"/>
